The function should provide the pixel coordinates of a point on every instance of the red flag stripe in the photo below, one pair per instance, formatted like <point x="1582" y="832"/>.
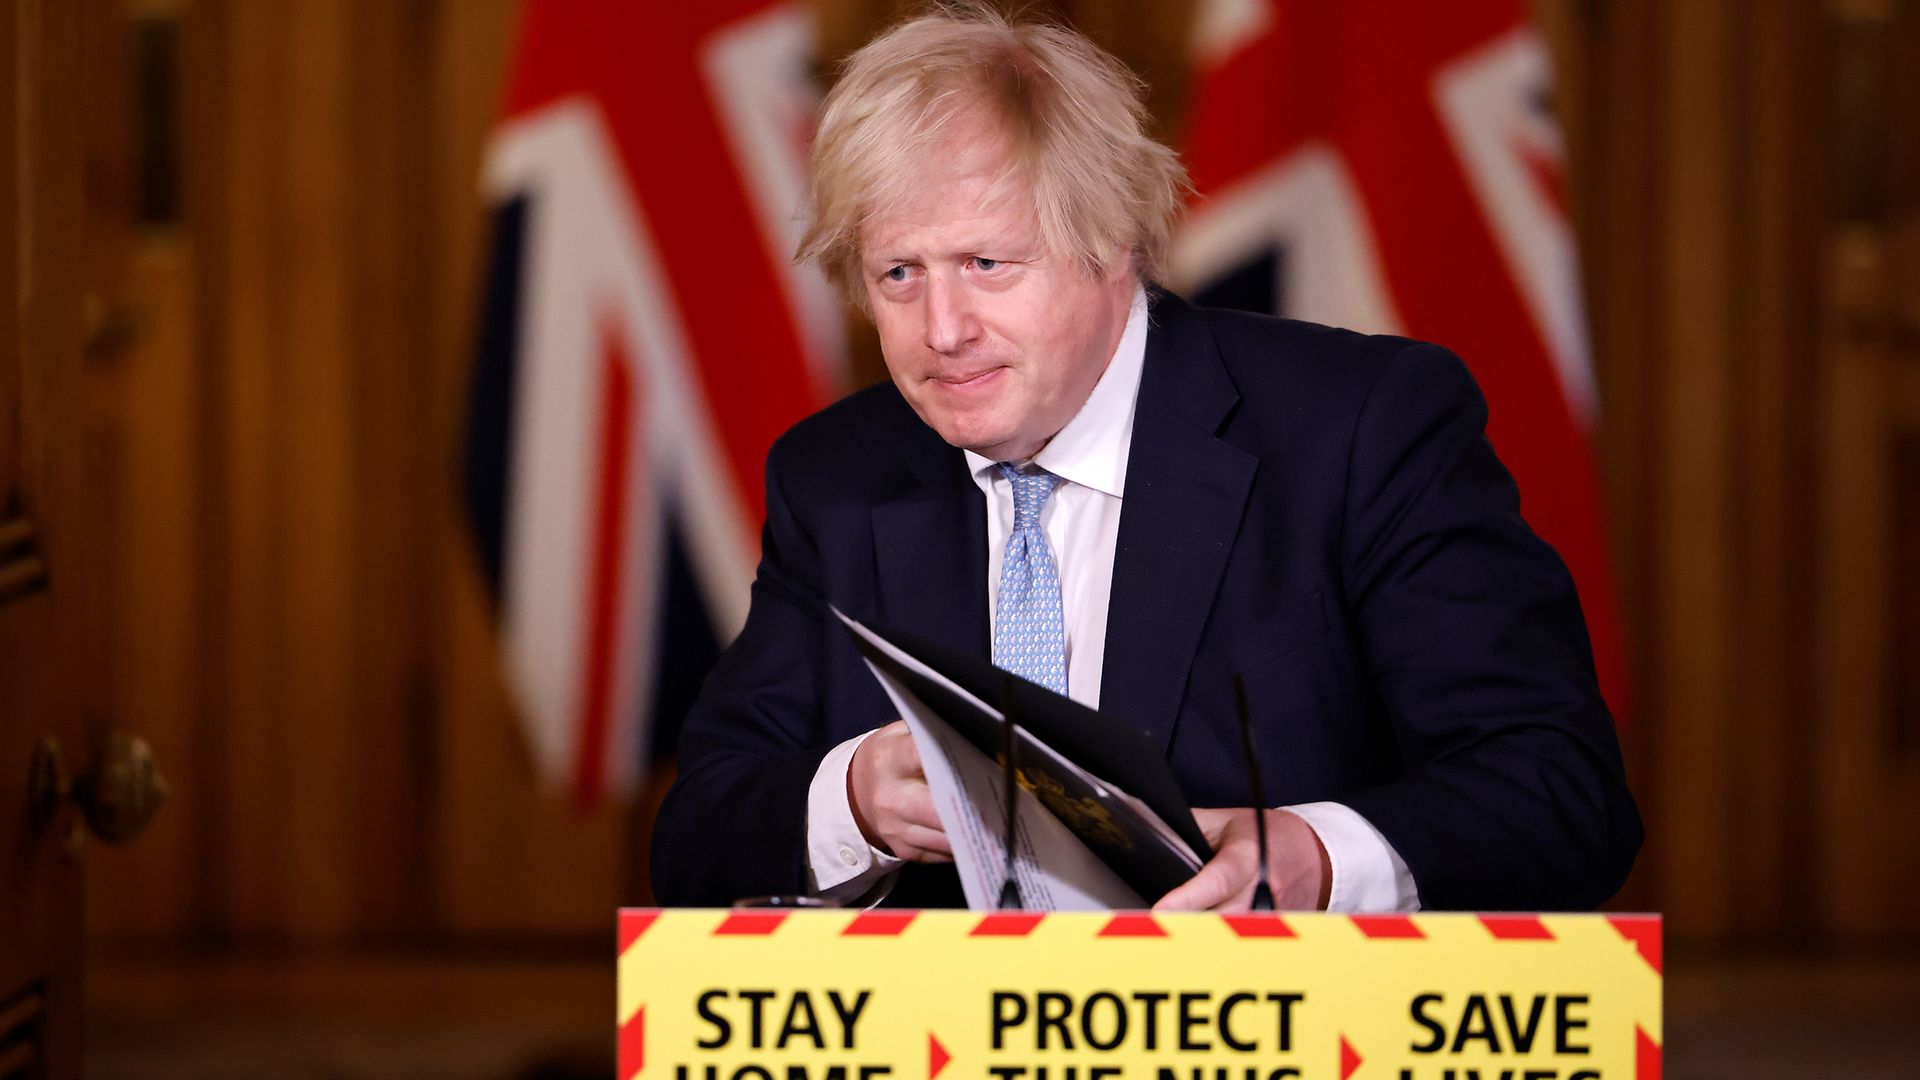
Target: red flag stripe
<point x="643" y="65"/>
<point x="603" y="587"/>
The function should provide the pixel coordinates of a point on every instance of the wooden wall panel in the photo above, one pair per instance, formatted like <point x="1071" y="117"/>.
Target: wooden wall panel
<point x="10" y="150"/>
<point x="1901" y="641"/>
<point x="318" y="594"/>
<point x="1610" y="110"/>
<point x="248" y="773"/>
<point x="396" y="487"/>
<point x="1868" y="859"/>
<point x="1853" y="607"/>
<point x="1777" y="257"/>
<point x="1695" y="531"/>
<point x="1752" y="473"/>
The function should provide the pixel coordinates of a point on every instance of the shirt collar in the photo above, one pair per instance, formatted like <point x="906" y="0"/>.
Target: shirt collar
<point x="1092" y="449"/>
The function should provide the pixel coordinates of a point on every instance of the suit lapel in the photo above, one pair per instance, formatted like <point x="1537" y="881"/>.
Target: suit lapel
<point x="930" y="547"/>
<point x="1186" y="492"/>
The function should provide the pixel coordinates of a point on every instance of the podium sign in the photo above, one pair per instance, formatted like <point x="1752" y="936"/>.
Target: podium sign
<point x="953" y="995"/>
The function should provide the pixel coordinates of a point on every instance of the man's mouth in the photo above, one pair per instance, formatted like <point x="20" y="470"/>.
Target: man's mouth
<point x="967" y="379"/>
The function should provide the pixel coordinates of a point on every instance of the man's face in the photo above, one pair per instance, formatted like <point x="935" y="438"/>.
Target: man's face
<point x="994" y="340"/>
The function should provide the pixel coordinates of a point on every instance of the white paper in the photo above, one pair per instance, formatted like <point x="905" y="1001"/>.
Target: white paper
<point x="1054" y="870"/>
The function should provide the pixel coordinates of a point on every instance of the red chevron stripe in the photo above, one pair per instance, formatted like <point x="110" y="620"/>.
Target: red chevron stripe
<point x="1262" y="925"/>
<point x="1646" y="1056"/>
<point x="1350" y="1059"/>
<point x="1516" y="927"/>
<point x="632" y="1051"/>
<point x="632" y="924"/>
<point x="1132" y="924"/>
<point x="1006" y="924"/>
<point x="879" y="924"/>
<point x="1644" y="932"/>
<point x="750" y="924"/>
<point x="1386" y="926"/>
<point x="937" y="1057"/>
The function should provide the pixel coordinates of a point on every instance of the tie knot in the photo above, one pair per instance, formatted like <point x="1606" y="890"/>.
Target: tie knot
<point x="1030" y="490"/>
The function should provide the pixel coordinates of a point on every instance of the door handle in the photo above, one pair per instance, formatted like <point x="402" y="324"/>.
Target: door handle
<point x="117" y="798"/>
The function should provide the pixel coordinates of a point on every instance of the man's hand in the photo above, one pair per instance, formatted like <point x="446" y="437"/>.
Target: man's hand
<point x="1298" y="871"/>
<point x="891" y="803"/>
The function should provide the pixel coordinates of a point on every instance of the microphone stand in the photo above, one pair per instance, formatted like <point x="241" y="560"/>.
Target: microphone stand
<point x="1262" y="892"/>
<point x="1009" y="888"/>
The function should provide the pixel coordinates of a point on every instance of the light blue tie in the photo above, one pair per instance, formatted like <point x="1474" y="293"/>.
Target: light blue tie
<point x="1029" y="627"/>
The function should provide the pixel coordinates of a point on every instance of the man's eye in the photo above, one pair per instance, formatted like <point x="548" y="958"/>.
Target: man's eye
<point x="986" y="264"/>
<point x="895" y="273"/>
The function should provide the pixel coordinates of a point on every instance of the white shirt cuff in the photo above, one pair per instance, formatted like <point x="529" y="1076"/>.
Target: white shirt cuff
<point x="1368" y="875"/>
<point x="842" y="865"/>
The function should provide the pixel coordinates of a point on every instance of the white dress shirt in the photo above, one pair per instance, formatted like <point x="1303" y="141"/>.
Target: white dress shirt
<point x="1082" y="524"/>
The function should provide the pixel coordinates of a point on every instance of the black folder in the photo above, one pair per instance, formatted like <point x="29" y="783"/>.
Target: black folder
<point x="1109" y="754"/>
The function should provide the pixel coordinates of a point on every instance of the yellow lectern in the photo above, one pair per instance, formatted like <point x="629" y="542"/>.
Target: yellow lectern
<point x="951" y="995"/>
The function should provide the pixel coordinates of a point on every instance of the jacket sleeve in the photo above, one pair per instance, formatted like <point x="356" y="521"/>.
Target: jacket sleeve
<point x="1513" y="794"/>
<point x="733" y="824"/>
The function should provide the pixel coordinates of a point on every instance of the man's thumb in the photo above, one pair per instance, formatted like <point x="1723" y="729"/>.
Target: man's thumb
<point x="1206" y="889"/>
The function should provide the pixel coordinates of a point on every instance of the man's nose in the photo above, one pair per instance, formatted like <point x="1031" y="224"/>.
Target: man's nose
<point x="949" y="314"/>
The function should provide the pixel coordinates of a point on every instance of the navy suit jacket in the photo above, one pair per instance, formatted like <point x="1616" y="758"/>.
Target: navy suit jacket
<point x="1315" y="510"/>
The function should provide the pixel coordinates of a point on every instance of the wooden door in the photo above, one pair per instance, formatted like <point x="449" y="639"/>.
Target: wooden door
<point x="43" y="562"/>
<point x="63" y="780"/>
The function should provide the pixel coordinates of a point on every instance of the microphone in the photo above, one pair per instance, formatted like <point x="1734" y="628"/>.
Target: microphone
<point x="1009" y="888"/>
<point x="1262" y="892"/>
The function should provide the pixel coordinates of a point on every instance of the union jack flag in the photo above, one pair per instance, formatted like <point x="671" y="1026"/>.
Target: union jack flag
<point x="1394" y="166"/>
<point x="644" y="339"/>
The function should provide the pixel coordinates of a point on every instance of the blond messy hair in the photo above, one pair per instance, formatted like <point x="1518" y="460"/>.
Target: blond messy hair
<point x="1072" y="117"/>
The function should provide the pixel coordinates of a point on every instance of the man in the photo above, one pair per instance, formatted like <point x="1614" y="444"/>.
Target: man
<point x="1134" y="501"/>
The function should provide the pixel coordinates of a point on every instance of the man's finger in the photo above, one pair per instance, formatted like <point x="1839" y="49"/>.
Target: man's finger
<point x="928" y="845"/>
<point x="1214" y="885"/>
